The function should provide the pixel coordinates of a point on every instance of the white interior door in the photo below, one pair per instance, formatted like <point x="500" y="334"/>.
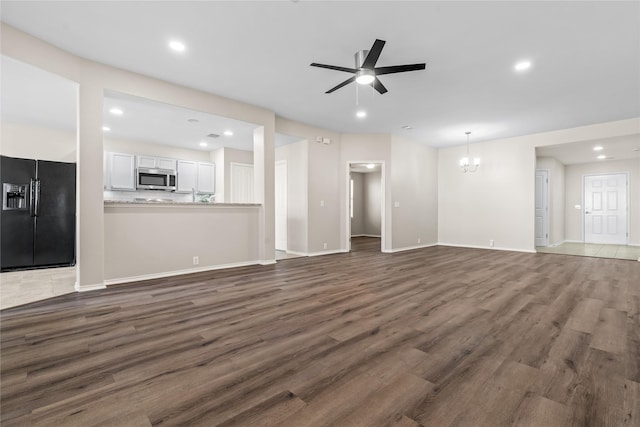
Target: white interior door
<point x="605" y="209"/>
<point x="542" y="208"/>
<point x="281" y="205"/>
<point x="241" y="185"/>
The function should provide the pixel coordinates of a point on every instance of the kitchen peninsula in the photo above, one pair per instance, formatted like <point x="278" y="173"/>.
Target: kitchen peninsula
<point x="150" y="239"/>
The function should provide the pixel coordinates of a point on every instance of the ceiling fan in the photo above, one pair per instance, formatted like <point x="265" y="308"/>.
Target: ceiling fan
<point x="366" y="72"/>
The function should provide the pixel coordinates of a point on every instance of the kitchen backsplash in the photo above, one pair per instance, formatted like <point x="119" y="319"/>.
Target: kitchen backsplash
<point x="150" y="194"/>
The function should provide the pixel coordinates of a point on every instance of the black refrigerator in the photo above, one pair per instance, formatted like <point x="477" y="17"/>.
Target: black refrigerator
<point x="38" y="216"/>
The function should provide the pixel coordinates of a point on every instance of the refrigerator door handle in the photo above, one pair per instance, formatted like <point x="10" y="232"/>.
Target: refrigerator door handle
<point x="32" y="197"/>
<point x="36" y="210"/>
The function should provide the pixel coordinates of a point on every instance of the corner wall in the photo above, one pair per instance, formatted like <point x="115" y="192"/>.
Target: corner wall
<point x="414" y="194"/>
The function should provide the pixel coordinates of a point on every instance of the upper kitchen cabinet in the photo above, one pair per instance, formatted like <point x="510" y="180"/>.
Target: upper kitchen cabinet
<point x="206" y="178"/>
<point x="121" y="171"/>
<point x="196" y="176"/>
<point x="187" y="176"/>
<point x="155" y="162"/>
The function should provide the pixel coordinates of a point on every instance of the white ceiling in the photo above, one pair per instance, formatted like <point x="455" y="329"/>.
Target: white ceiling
<point x="38" y="98"/>
<point x="620" y="148"/>
<point x="586" y="58"/>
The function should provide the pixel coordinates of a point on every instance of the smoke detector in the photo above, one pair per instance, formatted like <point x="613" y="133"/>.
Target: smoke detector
<point x="213" y="135"/>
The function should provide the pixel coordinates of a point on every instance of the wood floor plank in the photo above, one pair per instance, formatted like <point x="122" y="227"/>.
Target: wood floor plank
<point x="435" y="336"/>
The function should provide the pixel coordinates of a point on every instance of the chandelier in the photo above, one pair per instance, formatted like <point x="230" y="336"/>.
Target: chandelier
<point x="465" y="165"/>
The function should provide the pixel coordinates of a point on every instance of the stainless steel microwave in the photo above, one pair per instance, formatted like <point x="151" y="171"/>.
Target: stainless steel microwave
<point x="156" y="179"/>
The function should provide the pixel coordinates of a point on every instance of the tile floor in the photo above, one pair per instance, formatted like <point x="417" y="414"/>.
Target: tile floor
<point x="284" y="255"/>
<point x="21" y="287"/>
<point x="594" y="250"/>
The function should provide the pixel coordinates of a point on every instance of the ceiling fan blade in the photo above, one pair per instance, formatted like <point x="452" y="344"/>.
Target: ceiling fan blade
<point x="377" y="85"/>
<point x="334" y="67"/>
<point x="374" y="54"/>
<point x="344" y="83"/>
<point x="399" y="69"/>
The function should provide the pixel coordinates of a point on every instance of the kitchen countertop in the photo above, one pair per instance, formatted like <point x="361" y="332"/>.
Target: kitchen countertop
<point x="160" y="202"/>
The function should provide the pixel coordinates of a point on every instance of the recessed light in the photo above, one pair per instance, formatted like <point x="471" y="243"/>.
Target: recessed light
<point x="228" y="133"/>
<point x="522" y="65"/>
<point x="371" y="166"/>
<point x="361" y="114"/>
<point x="407" y="127"/>
<point x="193" y="120"/>
<point x="203" y="144"/>
<point x="597" y="148"/>
<point x="602" y="157"/>
<point x="116" y="111"/>
<point x="106" y="128"/>
<point x="177" y="46"/>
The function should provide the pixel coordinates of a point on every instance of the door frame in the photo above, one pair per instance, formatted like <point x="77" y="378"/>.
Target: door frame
<point x="546" y="222"/>
<point x="383" y="204"/>
<point x="582" y="217"/>
<point x="286" y="208"/>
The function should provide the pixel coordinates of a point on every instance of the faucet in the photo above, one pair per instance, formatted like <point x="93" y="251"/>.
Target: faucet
<point x="193" y="194"/>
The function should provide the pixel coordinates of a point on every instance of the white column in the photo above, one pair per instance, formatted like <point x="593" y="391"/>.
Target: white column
<point x="264" y="179"/>
<point x="90" y="206"/>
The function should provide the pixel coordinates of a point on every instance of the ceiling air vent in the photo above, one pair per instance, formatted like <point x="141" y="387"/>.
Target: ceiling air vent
<point x="213" y="135"/>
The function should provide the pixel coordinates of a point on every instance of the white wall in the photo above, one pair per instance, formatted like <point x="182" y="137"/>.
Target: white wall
<point x="367" y="204"/>
<point x="358" y="196"/>
<point x="494" y="203"/>
<point x="296" y="155"/>
<point x="372" y="214"/>
<point x="143" y="242"/>
<point x="217" y="158"/>
<point x="556" y="198"/>
<point x="574" y="193"/>
<point x="31" y="142"/>
<point x="323" y="200"/>
<point x="414" y="186"/>
<point x="157" y="150"/>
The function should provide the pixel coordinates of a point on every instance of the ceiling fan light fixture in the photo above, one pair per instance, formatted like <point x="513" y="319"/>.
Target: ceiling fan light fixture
<point x="365" y="77"/>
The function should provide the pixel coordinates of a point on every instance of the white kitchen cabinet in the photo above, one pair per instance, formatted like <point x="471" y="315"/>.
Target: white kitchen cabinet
<point x="206" y="178"/>
<point x="187" y="176"/>
<point x="122" y="171"/>
<point x="162" y="163"/>
<point x="155" y="162"/>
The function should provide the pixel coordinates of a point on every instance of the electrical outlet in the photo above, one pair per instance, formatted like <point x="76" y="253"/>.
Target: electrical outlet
<point x="325" y="246"/>
<point x="491" y="242"/>
<point x="196" y="260"/>
<point x="419" y="240"/>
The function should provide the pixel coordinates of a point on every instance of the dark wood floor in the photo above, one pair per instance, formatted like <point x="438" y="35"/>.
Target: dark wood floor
<point x="437" y="337"/>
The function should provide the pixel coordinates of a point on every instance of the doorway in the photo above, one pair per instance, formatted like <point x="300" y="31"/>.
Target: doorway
<point x="542" y="207"/>
<point x="365" y="219"/>
<point x="605" y="209"/>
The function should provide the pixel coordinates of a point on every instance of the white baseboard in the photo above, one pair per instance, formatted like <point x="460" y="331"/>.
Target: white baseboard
<point x="409" y="248"/>
<point x="573" y="241"/>
<point x="181" y="272"/>
<point x="494" y="248"/>
<point x="269" y="262"/>
<point x="87" y="288"/>
<point x="633" y="244"/>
